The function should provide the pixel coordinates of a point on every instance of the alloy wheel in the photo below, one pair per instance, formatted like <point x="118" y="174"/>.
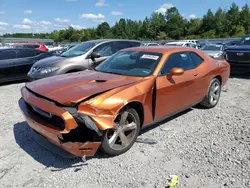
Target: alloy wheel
<point x="123" y="132"/>
<point x="214" y="93"/>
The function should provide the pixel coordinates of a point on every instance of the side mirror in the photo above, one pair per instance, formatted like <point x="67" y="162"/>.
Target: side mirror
<point x="94" y="55"/>
<point x="175" y="72"/>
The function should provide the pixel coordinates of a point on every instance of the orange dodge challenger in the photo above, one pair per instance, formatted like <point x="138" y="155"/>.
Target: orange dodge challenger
<point x="108" y="106"/>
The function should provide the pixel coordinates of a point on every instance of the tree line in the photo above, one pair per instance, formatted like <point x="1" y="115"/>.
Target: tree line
<point x="223" y="23"/>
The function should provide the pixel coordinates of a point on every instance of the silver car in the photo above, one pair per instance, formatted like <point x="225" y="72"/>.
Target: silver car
<point x="83" y="56"/>
<point x="213" y="50"/>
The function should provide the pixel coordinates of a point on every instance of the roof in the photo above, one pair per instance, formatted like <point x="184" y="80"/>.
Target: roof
<point x="104" y="40"/>
<point x="160" y="49"/>
<point x="9" y="48"/>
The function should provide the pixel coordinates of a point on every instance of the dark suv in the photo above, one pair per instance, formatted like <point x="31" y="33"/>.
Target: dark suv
<point x="83" y="56"/>
<point x="238" y="55"/>
<point x="15" y="63"/>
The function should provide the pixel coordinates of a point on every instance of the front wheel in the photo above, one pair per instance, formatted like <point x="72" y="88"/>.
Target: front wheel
<point x="213" y="95"/>
<point x="121" y="138"/>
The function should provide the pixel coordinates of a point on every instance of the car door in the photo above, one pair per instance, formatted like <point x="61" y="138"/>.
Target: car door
<point x="175" y="94"/>
<point x="25" y="60"/>
<point x="105" y="50"/>
<point x="7" y="60"/>
<point x="200" y="76"/>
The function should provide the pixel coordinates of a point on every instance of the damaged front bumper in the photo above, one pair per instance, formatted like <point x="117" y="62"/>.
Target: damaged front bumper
<point x="63" y="131"/>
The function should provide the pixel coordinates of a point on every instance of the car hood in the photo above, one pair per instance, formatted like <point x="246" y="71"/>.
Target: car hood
<point x="211" y="52"/>
<point x="50" y="61"/>
<point x="238" y="47"/>
<point x="70" y="89"/>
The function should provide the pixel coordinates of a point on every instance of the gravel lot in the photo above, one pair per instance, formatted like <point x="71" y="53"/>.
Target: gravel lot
<point x="205" y="148"/>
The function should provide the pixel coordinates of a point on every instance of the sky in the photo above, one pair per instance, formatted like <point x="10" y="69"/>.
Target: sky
<point x="47" y="15"/>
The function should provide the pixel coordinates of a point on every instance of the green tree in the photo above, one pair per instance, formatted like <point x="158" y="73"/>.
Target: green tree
<point x="103" y="30"/>
<point x="232" y="18"/>
<point x="208" y="21"/>
<point x="162" y="36"/>
<point x="220" y="23"/>
<point x="244" y="18"/>
<point x="175" y="23"/>
<point x="234" y="22"/>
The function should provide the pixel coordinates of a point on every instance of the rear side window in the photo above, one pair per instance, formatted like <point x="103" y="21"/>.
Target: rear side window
<point x="196" y="58"/>
<point x="178" y="60"/>
<point x="122" y="45"/>
<point x="126" y="44"/>
<point x="135" y="44"/>
<point x="28" y="46"/>
<point x="106" y="49"/>
<point x="8" y="54"/>
<point x="26" y="53"/>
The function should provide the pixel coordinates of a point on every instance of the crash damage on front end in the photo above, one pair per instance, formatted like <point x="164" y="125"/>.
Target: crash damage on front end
<point x="76" y="113"/>
<point x="77" y="134"/>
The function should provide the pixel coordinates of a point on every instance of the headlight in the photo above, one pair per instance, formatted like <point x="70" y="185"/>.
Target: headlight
<point x="47" y="70"/>
<point x="43" y="70"/>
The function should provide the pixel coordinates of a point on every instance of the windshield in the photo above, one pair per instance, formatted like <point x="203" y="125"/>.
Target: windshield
<point x="131" y="63"/>
<point x="79" y="49"/>
<point x="212" y="48"/>
<point x="245" y="40"/>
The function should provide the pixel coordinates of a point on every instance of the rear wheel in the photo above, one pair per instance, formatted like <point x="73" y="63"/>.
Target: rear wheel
<point x="121" y="138"/>
<point x="213" y="95"/>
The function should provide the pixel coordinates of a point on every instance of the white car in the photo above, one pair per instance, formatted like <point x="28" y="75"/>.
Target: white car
<point x="150" y="44"/>
<point x="182" y="43"/>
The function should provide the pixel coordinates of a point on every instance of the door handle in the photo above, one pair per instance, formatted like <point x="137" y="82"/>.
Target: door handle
<point x="196" y="74"/>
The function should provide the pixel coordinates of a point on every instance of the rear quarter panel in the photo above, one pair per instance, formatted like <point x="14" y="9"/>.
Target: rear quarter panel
<point x="221" y="68"/>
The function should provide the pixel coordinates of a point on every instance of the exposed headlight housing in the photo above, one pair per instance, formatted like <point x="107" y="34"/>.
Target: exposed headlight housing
<point x="43" y="70"/>
<point x="83" y="119"/>
<point x="89" y="123"/>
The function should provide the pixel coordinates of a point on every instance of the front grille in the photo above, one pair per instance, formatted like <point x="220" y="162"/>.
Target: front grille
<point x="238" y="56"/>
<point x="51" y="119"/>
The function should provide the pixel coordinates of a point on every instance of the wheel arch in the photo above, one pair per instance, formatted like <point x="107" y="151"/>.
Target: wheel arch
<point x="219" y="78"/>
<point x="138" y="107"/>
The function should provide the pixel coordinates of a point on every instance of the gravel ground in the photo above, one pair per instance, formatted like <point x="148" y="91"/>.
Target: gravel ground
<point x="205" y="148"/>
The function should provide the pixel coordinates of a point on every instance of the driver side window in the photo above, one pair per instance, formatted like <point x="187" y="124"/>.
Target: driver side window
<point x="178" y="60"/>
<point x="106" y="49"/>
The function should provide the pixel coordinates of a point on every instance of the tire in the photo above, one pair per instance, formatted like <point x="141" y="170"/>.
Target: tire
<point x="115" y="146"/>
<point x="213" y="95"/>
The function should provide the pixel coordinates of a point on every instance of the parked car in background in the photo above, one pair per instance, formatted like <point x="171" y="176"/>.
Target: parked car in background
<point x="213" y="50"/>
<point x="15" y="63"/>
<point x="150" y="44"/>
<point x="63" y="48"/>
<point x="238" y="55"/>
<point x="36" y="46"/>
<point x="181" y="43"/>
<point x="107" y="107"/>
<point x="86" y="55"/>
<point x="195" y="42"/>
